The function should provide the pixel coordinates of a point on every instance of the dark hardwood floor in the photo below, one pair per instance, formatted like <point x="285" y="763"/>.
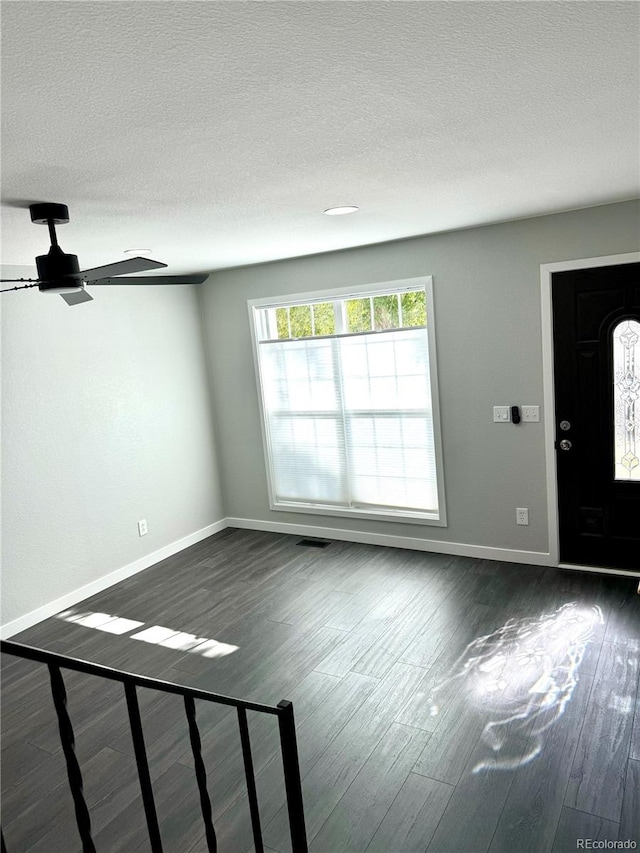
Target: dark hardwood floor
<point x="442" y="704"/>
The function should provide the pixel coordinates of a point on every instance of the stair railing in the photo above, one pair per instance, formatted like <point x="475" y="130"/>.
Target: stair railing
<point x="288" y="744"/>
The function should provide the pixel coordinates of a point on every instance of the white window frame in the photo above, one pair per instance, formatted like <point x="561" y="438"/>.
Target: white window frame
<point x="255" y="308"/>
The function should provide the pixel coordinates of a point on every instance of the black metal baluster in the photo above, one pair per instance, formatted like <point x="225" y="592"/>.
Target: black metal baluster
<point x="73" y="768"/>
<point x="251" y="780"/>
<point x="292" y="783"/>
<point x="201" y="773"/>
<point x="143" y="767"/>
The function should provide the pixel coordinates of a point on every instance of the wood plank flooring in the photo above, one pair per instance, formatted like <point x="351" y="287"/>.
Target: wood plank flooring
<point x="442" y="704"/>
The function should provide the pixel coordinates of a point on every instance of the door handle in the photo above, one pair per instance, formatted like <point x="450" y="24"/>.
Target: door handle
<point x="565" y="444"/>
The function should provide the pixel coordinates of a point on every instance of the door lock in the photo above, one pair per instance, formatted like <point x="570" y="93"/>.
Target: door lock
<point x="565" y="444"/>
<point x="565" y="425"/>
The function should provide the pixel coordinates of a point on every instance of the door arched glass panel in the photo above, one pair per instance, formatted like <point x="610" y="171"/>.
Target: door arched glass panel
<point x="626" y="400"/>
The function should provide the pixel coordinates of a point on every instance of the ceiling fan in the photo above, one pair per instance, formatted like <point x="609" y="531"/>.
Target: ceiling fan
<point x="61" y="273"/>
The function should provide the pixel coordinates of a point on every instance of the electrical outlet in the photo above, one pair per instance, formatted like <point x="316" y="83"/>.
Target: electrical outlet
<point x="522" y="515"/>
<point x="530" y="414"/>
<point x="142" y="527"/>
<point x="501" y="414"/>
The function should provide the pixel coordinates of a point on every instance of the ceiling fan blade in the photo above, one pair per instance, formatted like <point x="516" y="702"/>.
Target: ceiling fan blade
<point x="119" y="268"/>
<point x="76" y="298"/>
<point x="154" y="279"/>
<point x="19" y="279"/>
<point x="21" y="286"/>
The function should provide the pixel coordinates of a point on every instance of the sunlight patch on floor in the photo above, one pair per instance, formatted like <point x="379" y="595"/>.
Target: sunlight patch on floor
<point x="523" y="675"/>
<point x="101" y="621"/>
<point x="168" y="638"/>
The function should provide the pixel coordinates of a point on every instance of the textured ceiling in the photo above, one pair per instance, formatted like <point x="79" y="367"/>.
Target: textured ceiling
<point x="216" y="133"/>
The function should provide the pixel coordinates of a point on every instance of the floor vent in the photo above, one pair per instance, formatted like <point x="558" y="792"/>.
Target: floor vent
<point x="314" y="543"/>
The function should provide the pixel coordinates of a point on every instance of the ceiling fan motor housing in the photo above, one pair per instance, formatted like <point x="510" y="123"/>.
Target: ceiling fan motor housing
<point x="53" y="266"/>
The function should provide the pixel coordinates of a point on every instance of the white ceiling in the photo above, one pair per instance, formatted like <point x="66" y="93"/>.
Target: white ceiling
<point x="216" y="133"/>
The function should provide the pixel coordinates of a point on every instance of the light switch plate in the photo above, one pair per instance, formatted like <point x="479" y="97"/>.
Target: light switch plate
<point x="501" y="414"/>
<point x="530" y="414"/>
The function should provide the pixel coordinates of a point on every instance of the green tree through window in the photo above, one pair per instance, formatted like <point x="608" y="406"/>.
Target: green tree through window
<point x="390" y="311"/>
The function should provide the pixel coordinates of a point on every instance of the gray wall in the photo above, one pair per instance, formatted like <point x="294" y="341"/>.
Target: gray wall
<point x="487" y="304"/>
<point x="106" y="420"/>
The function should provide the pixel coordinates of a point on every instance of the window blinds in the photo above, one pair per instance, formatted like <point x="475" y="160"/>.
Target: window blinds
<point x="349" y="421"/>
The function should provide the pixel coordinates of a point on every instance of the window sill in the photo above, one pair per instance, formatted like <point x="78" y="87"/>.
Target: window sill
<point x="428" y="518"/>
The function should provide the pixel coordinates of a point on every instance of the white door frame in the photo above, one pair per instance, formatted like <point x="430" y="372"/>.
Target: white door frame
<point x="546" y="271"/>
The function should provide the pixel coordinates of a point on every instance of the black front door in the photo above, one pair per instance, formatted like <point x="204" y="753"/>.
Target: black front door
<point x="596" y="340"/>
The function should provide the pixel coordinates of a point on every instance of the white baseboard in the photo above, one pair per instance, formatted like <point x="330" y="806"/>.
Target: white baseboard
<point x="459" y="549"/>
<point x="599" y="570"/>
<point x="71" y="598"/>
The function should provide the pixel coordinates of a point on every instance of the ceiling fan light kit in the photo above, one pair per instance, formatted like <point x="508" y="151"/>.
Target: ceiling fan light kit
<point x="60" y="273"/>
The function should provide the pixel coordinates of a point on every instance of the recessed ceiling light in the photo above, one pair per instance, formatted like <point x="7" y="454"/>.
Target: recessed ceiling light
<point x="338" y="211"/>
<point x="136" y="251"/>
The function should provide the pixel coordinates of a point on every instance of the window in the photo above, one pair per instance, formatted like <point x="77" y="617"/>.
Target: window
<point x="348" y="393"/>
<point x="626" y="400"/>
